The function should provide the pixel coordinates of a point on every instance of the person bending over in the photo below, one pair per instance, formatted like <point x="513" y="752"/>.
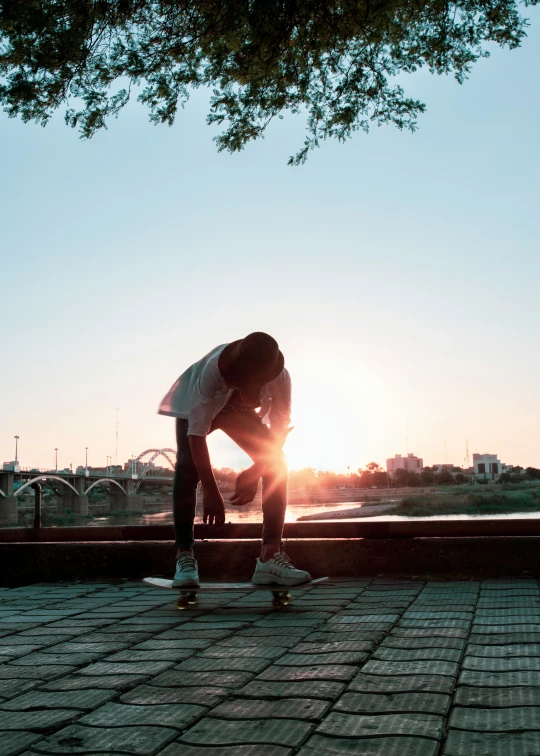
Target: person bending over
<point x="223" y="391"/>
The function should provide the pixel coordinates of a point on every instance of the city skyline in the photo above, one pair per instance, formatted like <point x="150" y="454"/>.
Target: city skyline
<point x="111" y="461"/>
<point x="398" y="273"/>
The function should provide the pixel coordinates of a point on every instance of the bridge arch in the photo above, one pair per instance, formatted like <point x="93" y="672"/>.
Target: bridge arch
<point x="155" y="453"/>
<point x="45" y="477"/>
<point x="104" y="480"/>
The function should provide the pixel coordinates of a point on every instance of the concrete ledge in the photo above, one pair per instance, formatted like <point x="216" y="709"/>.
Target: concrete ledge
<point x="456" y="558"/>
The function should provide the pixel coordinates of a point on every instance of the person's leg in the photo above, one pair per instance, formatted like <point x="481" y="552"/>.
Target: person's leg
<point x="247" y="430"/>
<point x="184" y="503"/>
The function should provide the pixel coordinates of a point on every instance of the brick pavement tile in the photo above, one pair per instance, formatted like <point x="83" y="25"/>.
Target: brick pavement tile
<point x="183" y="749"/>
<point x="425" y="654"/>
<point x="150" y="695"/>
<point x="333" y="647"/>
<point x="126" y="668"/>
<point x="341" y="619"/>
<point x="124" y="638"/>
<point x="229" y="663"/>
<point x="289" y="622"/>
<point x="366" y="628"/>
<point x="338" y="657"/>
<point x="434" y="623"/>
<point x="318" y="745"/>
<point x="236" y="641"/>
<point x="189" y="631"/>
<point x="62" y="632"/>
<point x="37" y="721"/>
<point x="103" y="682"/>
<point x="491" y="605"/>
<point x="364" y="683"/>
<point x="467" y="695"/>
<point x="390" y="594"/>
<point x="21" y="649"/>
<point x="42" y="699"/>
<point x="184" y="643"/>
<point x="50" y="657"/>
<point x="513" y="625"/>
<point x="514" y="719"/>
<point x="229" y="652"/>
<point x="13" y="742"/>
<point x="391" y="641"/>
<point x="205" y="628"/>
<point x="287" y="708"/>
<point x="503" y="639"/>
<point x="177" y="716"/>
<point x="499" y="679"/>
<point x="511" y="592"/>
<point x="221" y="732"/>
<point x="67" y="626"/>
<point x="428" y="630"/>
<point x="498" y="614"/>
<point x="38" y="672"/>
<point x="144" y="655"/>
<point x="174" y="678"/>
<point x="354" y="635"/>
<point x="140" y="741"/>
<point x="426" y="703"/>
<point x="304" y="689"/>
<point x="411" y="668"/>
<point x="11" y="688"/>
<point x="460" y="742"/>
<point x="25" y="640"/>
<point x="504" y="664"/>
<point x="314" y="672"/>
<point x="413" y="614"/>
<point x="338" y="724"/>
<point x="78" y="646"/>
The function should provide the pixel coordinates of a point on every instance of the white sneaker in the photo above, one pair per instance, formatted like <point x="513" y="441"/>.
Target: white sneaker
<point x="187" y="572"/>
<point x="279" y="570"/>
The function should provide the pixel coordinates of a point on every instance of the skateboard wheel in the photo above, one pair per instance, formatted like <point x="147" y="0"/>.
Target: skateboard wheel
<point x="193" y="598"/>
<point x="182" y="603"/>
<point x="276" y="603"/>
<point x="286" y="599"/>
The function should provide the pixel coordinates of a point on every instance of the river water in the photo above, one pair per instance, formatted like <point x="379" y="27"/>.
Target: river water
<point x="294" y="511"/>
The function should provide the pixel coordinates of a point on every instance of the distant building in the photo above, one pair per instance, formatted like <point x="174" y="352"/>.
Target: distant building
<point x="411" y="462"/>
<point x="487" y="467"/>
<point x="11" y="467"/>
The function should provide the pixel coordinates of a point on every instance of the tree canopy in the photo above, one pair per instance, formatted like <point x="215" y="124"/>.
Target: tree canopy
<point x="333" y="61"/>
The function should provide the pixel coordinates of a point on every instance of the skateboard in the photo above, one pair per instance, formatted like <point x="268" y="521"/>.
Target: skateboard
<point x="280" y="593"/>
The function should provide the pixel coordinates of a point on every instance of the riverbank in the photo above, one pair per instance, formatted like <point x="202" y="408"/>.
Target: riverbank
<point x="476" y="502"/>
<point x="367" y="510"/>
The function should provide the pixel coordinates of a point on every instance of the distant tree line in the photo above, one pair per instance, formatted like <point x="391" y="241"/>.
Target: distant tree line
<point x="373" y="476"/>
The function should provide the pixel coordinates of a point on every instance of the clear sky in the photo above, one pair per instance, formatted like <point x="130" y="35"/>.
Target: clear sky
<point x="400" y="274"/>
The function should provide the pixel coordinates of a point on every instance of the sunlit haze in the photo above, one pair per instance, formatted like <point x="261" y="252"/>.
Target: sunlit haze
<point x="399" y="273"/>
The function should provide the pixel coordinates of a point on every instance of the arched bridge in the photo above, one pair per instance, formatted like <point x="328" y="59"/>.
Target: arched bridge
<point x="80" y="484"/>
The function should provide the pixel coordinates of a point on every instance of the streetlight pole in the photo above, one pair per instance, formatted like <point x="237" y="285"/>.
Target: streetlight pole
<point x="16" y="448"/>
<point x="86" y="459"/>
<point x="56" y="459"/>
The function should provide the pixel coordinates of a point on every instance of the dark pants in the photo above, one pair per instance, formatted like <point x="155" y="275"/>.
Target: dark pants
<point x="248" y="431"/>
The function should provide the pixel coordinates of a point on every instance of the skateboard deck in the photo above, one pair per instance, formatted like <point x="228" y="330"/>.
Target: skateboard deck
<point x="280" y="593"/>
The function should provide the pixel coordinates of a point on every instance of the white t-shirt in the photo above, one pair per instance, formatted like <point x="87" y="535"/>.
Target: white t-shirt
<point x="200" y="394"/>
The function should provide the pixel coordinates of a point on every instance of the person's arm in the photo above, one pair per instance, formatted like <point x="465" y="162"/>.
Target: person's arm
<point x="213" y="507"/>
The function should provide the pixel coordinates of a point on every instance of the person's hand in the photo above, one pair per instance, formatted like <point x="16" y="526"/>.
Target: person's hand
<point x="213" y="507"/>
<point x="246" y="486"/>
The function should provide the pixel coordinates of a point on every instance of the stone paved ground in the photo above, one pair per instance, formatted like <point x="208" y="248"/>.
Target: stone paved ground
<point x="378" y="666"/>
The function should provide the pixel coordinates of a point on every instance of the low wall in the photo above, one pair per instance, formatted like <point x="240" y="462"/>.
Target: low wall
<point x="429" y="558"/>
